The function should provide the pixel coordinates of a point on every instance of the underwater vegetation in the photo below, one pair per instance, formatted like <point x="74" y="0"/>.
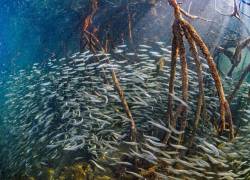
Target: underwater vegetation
<point x="128" y="111"/>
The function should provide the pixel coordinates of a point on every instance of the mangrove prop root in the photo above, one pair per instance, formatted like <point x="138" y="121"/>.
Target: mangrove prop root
<point x="129" y="25"/>
<point x="87" y="23"/>
<point x="118" y="88"/>
<point x="213" y="69"/>
<point x="125" y="105"/>
<point x="237" y="87"/>
<point x="184" y="70"/>
<point x="229" y="117"/>
<point x="190" y="16"/>
<point x="240" y="47"/>
<point x="230" y="72"/>
<point x="225" y="112"/>
<point x="200" y="103"/>
<point x="174" y="55"/>
<point x="172" y="78"/>
<point x="236" y="58"/>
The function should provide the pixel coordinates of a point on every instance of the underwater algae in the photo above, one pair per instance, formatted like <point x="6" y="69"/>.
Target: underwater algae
<point x="118" y="115"/>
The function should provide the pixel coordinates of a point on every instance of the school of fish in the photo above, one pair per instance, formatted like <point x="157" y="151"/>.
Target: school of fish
<point x="68" y="110"/>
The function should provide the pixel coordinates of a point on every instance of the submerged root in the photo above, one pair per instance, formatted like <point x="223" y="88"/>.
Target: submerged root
<point x="199" y="42"/>
<point x="237" y="87"/>
<point x="200" y="103"/>
<point x="174" y="55"/>
<point x="194" y="39"/>
<point x="94" y="45"/>
<point x="125" y="106"/>
<point x="184" y="74"/>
